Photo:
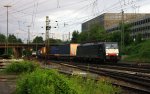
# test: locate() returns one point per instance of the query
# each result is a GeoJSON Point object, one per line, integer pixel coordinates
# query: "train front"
{"type": "Point", "coordinates": [112, 51]}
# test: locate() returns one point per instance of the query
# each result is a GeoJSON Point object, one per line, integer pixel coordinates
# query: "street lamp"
{"type": "Point", "coordinates": [7, 6]}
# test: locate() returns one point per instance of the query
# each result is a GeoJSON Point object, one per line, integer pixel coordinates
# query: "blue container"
{"type": "Point", "coordinates": [60, 49]}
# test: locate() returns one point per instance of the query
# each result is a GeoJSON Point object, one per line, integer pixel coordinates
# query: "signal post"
{"type": "Point", "coordinates": [48, 27]}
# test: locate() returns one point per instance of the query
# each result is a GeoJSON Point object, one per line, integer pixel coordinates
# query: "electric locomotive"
{"type": "Point", "coordinates": [102, 51]}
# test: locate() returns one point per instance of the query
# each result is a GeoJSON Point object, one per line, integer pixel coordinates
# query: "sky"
{"type": "Point", "coordinates": [65, 15]}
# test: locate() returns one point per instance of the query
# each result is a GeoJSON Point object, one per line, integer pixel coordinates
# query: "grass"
{"type": "Point", "coordinates": [51, 82]}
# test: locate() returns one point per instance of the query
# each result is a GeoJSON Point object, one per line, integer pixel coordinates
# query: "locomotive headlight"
{"type": "Point", "coordinates": [117, 54]}
{"type": "Point", "coordinates": [106, 53]}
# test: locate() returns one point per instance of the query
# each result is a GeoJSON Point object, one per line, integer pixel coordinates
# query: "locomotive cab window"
{"type": "Point", "coordinates": [111, 46]}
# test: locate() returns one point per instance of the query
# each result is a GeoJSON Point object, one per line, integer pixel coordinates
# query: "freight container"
{"type": "Point", "coordinates": [43, 51]}
{"type": "Point", "coordinates": [64, 50]}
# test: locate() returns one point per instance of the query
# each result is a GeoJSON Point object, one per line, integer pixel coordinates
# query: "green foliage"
{"type": "Point", "coordinates": [138, 38]}
{"type": "Point", "coordinates": [19, 40]}
{"type": "Point", "coordinates": [51, 82]}
{"type": "Point", "coordinates": [2, 51]}
{"type": "Point", "coordinates": [10, 51]}
{"type": "Point", "coordinates": [54, 41]}
{"type": "Point", "coordinates": [139, 51]}
{"type": "Point", "coordinates": [96, 33]}
{"type": "Point", "coordinates": [20, 67]}
{"type": "Point", "coordinates": [38, 39]}
{"type": "Point", "coordinates": [2, 38]}
{"type": "Point", "coordinates": [89, 86]}
{"type": "Point", "coordinates": [83, 37]}
{"type": "Point", "coordinates": [114, 36]}
{"type": "Point", "coordinates": [12, 39]}
{"type": "Point", "coordinates": [44, 82]}
{"type": "Point", "coordinates": [75, 36]}
{"type": "Point", "coordinates": [27, 52]}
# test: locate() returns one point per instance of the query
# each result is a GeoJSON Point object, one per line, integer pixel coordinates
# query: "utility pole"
{"type": "Point", "coordinates": [47, 37]}
{"type": "Point", "coordinates": [6, 51]}
{"type": "Point", "coordinates": [17, 45]}
{"type": "Point", "coordinates": [36, 43]}
{"type": "Point", "coordinates": [28, 42]}
{"type": "Point", "coordinates": [122, 30]}
{"type": "Point", "coordinates": [63, 37]}
{"type": "Point", "coordinates": [69, 36]}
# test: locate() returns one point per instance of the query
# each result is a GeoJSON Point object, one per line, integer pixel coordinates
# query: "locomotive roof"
{"type": "Point", "coordinates": [87, 44]}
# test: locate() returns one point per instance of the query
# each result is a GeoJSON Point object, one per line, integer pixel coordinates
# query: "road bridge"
{"type": "Point", "coordinates": [17, 48]}
{"type": "Point", "coordinates": [21, 45]}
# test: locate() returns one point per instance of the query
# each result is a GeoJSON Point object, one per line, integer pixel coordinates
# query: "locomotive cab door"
{"type": "Point", "coordinates": [101, 53]}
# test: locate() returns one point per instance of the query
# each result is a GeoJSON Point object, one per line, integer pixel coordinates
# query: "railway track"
{"type": "Point", "coordinates": [138, 77]}
{"type": "Point", "coordinates": [2, 65]}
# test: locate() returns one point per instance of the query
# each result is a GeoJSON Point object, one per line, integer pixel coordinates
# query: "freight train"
{"type": "Point", "coordinates": [95, 52]}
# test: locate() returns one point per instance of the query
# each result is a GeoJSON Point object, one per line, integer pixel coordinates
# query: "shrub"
{"type": "Point", "coordinates": [51, 82]}
{"type": "Point", "coordinates": [139, 52]}
{"type": "Point", "coordinates": [44, 82]}
{"type": "Point", "coordinates": [19, 67]}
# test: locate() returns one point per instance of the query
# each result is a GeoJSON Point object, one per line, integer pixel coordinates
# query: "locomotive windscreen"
{"type": "Point", "coordinates": [111, 46]}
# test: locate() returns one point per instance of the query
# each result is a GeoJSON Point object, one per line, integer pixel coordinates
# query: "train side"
{"type": "Point", "coordinates": [90, 52]}
{"type": "Point", "coordinates": [101, 52]}
{"type": "Point", "coordinates": [63, 52]}
{"type": "Point", "coordinates": [59, 52]}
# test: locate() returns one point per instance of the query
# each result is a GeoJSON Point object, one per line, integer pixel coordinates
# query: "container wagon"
{"type": "Point", "coordinates": [63, 52]}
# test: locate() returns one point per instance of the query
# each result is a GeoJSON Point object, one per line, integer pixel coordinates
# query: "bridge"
{"type": "Point", "coordinates": [21, 45]}
{"type": "Point", "coordinates": [18, 48]}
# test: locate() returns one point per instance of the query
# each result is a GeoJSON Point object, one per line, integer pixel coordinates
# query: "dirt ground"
{"type": "Point", "coordinates": [7, 84]}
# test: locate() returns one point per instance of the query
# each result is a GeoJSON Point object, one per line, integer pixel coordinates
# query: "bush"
{"type": "Point", "coordinates": [20, 67]}
{"type": "Point", "coordinates": [51, 82]}
{"type": "Point", "coordinates": [43, 82]}
{"type": "Point", "coordinates": [139, 52]}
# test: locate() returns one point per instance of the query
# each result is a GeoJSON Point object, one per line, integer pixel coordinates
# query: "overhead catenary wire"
{"type": "Point", "coordinates": [22, 15]}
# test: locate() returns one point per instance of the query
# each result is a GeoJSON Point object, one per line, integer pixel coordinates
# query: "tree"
{"type": "Point", "coordinates": [2, 38]}
{"type": "Point", "coordinates": [96, 33]}
{"type": "Point", "coordinates": [19, 41]}
{"type": "Point", "coordinates": [83, 37]}
{"type": "Point", "coordinates": [127, 38]}
{"type": "Point", "coordinates": [38, 39]}
{"type": "Point", "coordinates": [115, 36]}
{"type": "Point", "coordinates": [54, 41]}
{"type": "Point", "coordinates": [75, 37]}
{"type": "Point", "coordinates": [12, 39]}
{"type": "Point", "coordinates": [138, 38]}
